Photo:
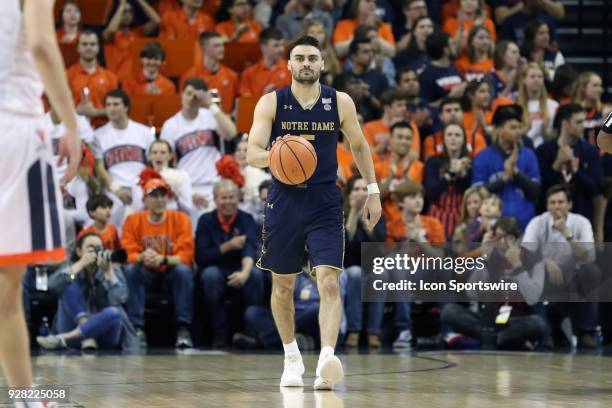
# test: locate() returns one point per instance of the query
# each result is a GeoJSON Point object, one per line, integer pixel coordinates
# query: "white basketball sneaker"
{"type": "Point", "coordinates": [329, 372]}
{"type": "Point", "coordinates": [292, 373]}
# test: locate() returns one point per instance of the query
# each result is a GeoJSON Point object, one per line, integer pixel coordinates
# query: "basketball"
{"type": "Point", "coordinates": [293, 160]}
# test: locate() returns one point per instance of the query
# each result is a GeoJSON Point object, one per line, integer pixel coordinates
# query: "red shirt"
{"type": "Point", "coordinates": [174, 24]}
{"type": "Point", "coordinates": [138, 85]}
{"type": "Point", "coordinates": [254, 79]}
{"type": "Point", "coordinates": [225, 80]}
{"type": "Point", "coordinates": [117, 52]}
{"type": "Point", "coordinates": [228, 28]}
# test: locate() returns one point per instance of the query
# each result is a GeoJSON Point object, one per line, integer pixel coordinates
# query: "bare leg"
{"type": "Point", "coordinates": [14, 344]}
{"type": "Point", "coordinates": [330, 308]}
{"type": "Point", "coordinates": [282, 306]}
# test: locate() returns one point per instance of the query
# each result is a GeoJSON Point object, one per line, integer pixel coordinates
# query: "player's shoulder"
{"type": "Point", "coordinates": [267, 103]}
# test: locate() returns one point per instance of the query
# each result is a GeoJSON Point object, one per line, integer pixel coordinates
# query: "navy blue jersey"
{"type": "Point", "coordinates": [320, 125]}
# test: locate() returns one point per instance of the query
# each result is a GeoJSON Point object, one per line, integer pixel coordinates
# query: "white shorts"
{"type": "Point", "coordinates": [31, 221]}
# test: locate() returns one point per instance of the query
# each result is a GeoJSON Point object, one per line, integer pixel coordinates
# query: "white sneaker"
{"type": "Point", "coordinates": [292, 373]}
{"type": "Point", "coordinates": [329, 372]}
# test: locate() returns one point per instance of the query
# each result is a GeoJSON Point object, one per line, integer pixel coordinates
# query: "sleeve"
{"type": "Point", "coordinates": [531, 231]}
{"type": "Point", "coordinates": [531, 283]}
{"type": "Point", "coordinates": [130, 238]}
{"type": "Point", "coordinates": [433, 183]}
{"type": "Point", "coordinates": [137, 197]}
{"type": "Point", "coordinates": [250, 231]}
{"type": "Point", "coordinates": [386, 33]}
{"type": "Point", "coordinates": [207, 250]}
{"type": "Point", "coordinates": [183, 243]}
{"type": "Point", "coordinates": [58, 280]}
{"type": "Point", "coordinates": [491, 28]}
{"type": "Point", "coordinates": [435, 231]}
{"type": "Point", "coordinates": [166, 133]}
{"type": "Point", "coordinates": [480, 172]}
{"type": "Point", "coordinates": [148, 135]}
{"type": "Point", "coordinates": [166, 30]}
{"type": "Point", "coordinates": [342, 32]}
{"type": "Point", "coordinates": [116, 244]}
{"type": "Point", "coordinates": [589, 179]}
{"type": "Point", "coordinates": [117, 289]}
{"type": "Point", "coordinates": [427, 87]}
{"type": "Point", "coordinates": [185, 193]}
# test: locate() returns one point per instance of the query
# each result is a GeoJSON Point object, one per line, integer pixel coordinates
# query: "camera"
{"type": "Point", "coordinates": [109, 255]}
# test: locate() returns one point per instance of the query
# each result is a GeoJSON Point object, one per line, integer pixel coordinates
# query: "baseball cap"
{"type": "Point", "coordinates": [154, 184]}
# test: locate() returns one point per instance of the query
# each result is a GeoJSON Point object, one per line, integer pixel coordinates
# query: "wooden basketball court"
{"type": "Point", "coordinates": [436, 379]}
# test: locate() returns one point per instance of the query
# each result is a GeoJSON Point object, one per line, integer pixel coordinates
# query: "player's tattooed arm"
{"type": "Point", "coordinates": [259, 136]}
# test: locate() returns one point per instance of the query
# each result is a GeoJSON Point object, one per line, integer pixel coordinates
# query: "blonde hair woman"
{"type": "Point", "coordinates": [538, 109]}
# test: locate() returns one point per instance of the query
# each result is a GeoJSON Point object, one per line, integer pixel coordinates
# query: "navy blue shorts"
{"type": "Point", "coordinates": [298, 219]}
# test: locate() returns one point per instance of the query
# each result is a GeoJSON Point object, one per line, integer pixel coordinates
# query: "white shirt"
{"type": "Point", "coordinates": [536, 133]}
{"type": "Point", "coordinates": [57, 131]}
{"type": "Point", "coordinates": [20, 85]}
{"type": "Point", "coordinates": [551, 241]}
{"type": "Point", "coordinates": [194, 144]}
{"type": "Point", "coordinates": [124, 151]}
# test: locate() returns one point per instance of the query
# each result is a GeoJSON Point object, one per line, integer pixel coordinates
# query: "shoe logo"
{"type": "Point", "coordinates": [270, 205]}
{"type": "Point", "coordinates": [290, 107]}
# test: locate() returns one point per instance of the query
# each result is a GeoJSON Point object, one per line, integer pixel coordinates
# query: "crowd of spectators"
{"type": "Point", "coordinates": [477, 130]}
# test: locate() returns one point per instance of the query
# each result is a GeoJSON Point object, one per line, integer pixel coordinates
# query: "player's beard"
{"type": "Point", "coordinates": [310, 80]}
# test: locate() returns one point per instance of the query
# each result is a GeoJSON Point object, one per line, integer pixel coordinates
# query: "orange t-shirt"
{"type": "Point", "coordinates": [174, 24]}
{"type": "Point", "coordinates": [451, 9]}
{"type": "Point", "coordinates": [109, 235]}
{"type": "Point", "coordinates": [228, 28]}
{"type": "Point", "coordinates": [451, 26]}
{"type": "Point", "coordinates": [99, 83]}
{"type": "Point", "coordinates": [173, 236]}
{"type": "Point", "coordinates": [433, 144]}
{"type": "Point", "coordinates": [346, 163]}
{"type": "Point", "coordinates": [375, 131]}
{"type": "Point", "coordinates": [345, 31]}
{"type": "Point", "coordinates": [60, 33]}
{"type": "Point", "coordinates": [255, 78]}
{"type": "Point", "coordinates": [474, 70]}
{"type": "Point", "coordinates": [225, 80]}
{"type": "Point", "coordinates": [434, 232]}
{"type": "Point", "coordinates": [382, 169]}
{"type": "Point", "coordinates": [469, 118]}
{"type": "Point", "coordinates": [138, 85]}
{"type": "Point", "coordinates": [117, 52]}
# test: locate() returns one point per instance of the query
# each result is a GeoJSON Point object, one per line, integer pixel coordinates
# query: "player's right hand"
{"type": "Point", "coordinates": [70, 149]}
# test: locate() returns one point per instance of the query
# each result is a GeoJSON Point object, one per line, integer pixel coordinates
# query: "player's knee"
{"type": "Point", "coordinates": [282, 291]}
{"type": "Point", "coordinates": [330, 287]}
{"type": "Point", "coordinates": [10, 295]}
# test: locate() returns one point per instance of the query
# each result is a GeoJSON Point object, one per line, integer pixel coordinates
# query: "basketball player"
{"type": "Point", "coordinates": [604, 138]}
{"type": "Point", "coordinates": [32, 228]}
{"type": "Point", "coordinates": [309, 214]}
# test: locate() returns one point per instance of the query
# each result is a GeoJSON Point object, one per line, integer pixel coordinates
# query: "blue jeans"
{"type": "Point", "coordinates": [180, 279]}
{"type": "Point", "coordinates": [104, 326]}
{"type": "Point", "coordinates": [354, 305]}
{"type": "Point", "coordinates": [259, 323]}
{"type": "Point", "coordinates": [214, 285]}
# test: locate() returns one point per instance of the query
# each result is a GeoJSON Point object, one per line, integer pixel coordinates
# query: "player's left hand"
{"type": "Point", "coordinates": [70, 149]}
{"type": "Point", "coordinates": [372, 210]}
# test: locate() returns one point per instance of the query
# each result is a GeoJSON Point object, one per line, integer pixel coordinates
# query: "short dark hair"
{"type": "Point", "coordinates": [408, 187]}
{"type": "Point", "coordinates": [403, 71]}
{"type": "Point", "coordinates": [354, 46]}
{"type": "Point", "coordinates": [305, 40]}
{"type": "Point", "coordinates": [559, 188]}
{"type": "Point", "coordinates": [390, 96]}
{"type": "Point", "coordinates": [207, 35]}
{"type": "Point", "coordinates": [506, 113]}
{"type": "Point", "coordinates": [362, 30]}
{"type": "Point", "coordinates": [98, 200]}
{"type": "Point", "coordinates": [270, 33]}
{"type": "Point", "coordinates": [119, 93]}
{"type": "Point", "coordinates": [450, 100]}
{"type": "Point", "coordinates": [435, 44]}
{"type": "Point", "coordinates": [152, 50]}
{"type": "Point", "coordinates": [87, 32]}
{"type": "Point", "coordinates": [197, 83]}
{"type": "Point", "coordinates": [509, 225]}
{"type": "Point", "coordinates": [565, 112]}
{"type": "Point", "coordinates": [266, 184]}
{"type": "Point", "coordinates": [402, 124]}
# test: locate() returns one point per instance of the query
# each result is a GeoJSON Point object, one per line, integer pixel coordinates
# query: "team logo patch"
{"type": "Point", "coordinates": [326, 100]}
{"type": "Point", "coordinates": [327, 107]}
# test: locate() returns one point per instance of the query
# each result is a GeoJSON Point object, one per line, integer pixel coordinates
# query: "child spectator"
{"type": "Point", "coordinates": [119, 36]}
{"type": "Point", "coordinates": [99, 208]}
{"type": "Point", "coordinates": [489, 212]}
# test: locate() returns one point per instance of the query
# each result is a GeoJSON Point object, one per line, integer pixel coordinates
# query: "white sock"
{"type": "Point", "coordinates": [291, 348]}
{"type": "Point", "coordinates": [326, 352]}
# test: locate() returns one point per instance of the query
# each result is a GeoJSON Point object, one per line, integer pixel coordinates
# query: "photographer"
{"type": "Point", "coordinates": [512, 324]}
{"type": "Point", "coordinates": [91, 291]}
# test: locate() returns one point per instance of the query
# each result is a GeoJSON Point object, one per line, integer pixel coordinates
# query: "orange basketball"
{"type": "Point", "coordinates": [293, 160]}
